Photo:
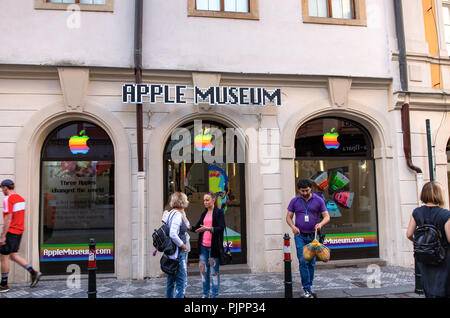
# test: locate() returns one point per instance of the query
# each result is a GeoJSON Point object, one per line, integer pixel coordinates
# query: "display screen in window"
{"type": "Point", "coordinates": [348, 188]}
{"type": "Point", "coordinates": [77, 203]}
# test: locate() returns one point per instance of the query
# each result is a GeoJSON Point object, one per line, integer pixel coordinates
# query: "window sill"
{"type": "Point", "coordinates": [351, 22]}
{"type": "Point", "coordinates": [220, 14]}
{"type": "Point", "coordinates": [252, 15]}
{"type": "Point", "coordinates": [44, 5]}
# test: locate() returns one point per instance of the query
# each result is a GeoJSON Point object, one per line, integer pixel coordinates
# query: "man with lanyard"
{"type": "Point", "coordinates": [307, 208]}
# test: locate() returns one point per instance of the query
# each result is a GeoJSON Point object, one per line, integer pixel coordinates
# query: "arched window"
{"type": "Point", "coordinates": [76, 198]}
{"type": "Point", "coordinates": [336, 154]}
{"type": "Point", "coordinates": [205, 156]}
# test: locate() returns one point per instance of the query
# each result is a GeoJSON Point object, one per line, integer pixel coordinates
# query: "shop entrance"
{"type": "Point", "coordinates": [336, 155]}
{"type": "Point", "coordinates": [223, 176]}
{"type": "Point", "coordinates": [76, 199]}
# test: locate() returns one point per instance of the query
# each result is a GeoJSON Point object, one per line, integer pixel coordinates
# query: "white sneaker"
{"type": "Point", "coordinates": [307, 294]}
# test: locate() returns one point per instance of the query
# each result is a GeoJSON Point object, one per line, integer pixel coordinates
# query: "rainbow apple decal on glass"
{"type": "Point", "coordinates": [78, 144]}
{"type": "Point", "coordinates": [203, 141]}
{"type": "Point", "coordinates": [330, 140]}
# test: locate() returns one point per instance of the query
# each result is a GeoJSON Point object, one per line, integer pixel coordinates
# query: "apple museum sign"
{"type": "Point", "coordinates": [214, 95]}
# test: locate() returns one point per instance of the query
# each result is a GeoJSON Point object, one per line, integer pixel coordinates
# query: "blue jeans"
{"type": "Point", "coordinates": [306, 267]}
{"type": "Point", "coordinates": [177, 283]}
{"type": "Point", "coordinates": [209, 267]}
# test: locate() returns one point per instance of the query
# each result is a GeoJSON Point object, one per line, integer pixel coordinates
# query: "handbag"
{"type": "Point", "coordinates": [169, 266]}
{"type": "Point", "coordinates": [161, 239]}
{"type": "Point", "coordinates": [227, 257]}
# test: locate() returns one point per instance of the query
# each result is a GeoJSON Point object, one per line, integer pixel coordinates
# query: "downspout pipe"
{"type": "Point", "coordinates": [403, 67]}
{"type": "Point", "coordinates": [398, 10]}
{"type": "Point", "coordinates": [140, 266]}
{"type": "Point", "coordinates": [407, 138]}
{"type": "Point", "coordinates": [138, 79]}
{"type": "Point", "coordinates": [400, 27]}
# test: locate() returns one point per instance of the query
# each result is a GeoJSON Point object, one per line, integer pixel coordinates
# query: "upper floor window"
{"type": "Point", "coordinates": [237, 9]}
{"type": "Point", "coordinates": [84, 5]}
{"type": "Point", "coordinates": [79, 1]}
{"type": "Point", "coordinates": [446, 8]}
{"type": "Point", "coordinates": [346, 12]}
{"type": "Point", "coordinates": [223, 5]}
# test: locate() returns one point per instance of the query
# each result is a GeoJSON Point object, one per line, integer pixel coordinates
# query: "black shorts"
{"type": "Point", "coordinates": [12, 244]}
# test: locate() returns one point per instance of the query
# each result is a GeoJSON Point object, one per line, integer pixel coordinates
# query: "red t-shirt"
{"type": "Point", "coordinates": [15, 205]}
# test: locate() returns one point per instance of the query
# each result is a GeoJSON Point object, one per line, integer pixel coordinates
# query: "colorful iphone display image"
{"type": "Point", "coordinates": [330, 140]}
{"type": "Point", "coordinates": [345, 199]}
{"type": "Point", "coordinates": [337, 181]}
{"type": "Point", "coordinates": [219, 184]}
{"type": "Point", "coordinates": [320, 179]}
{"type": "Point", "coordinates": [320, 194]}
{"type": "Point", "coordinates": [333, 209]}
{"type": "Point", "coordinates": [78, 144]}
{"type": "Point", "coordinates": [333, 181]}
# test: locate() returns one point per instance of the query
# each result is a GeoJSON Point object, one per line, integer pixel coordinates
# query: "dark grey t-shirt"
{"type": "Point", "coordinates": [436, 278]}
{"type": "Point", "coordinates": [432, 215]}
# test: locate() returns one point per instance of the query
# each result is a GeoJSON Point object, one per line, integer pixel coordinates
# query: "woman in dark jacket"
{"type": "Point", "coordinates": [436, 278]}
{"type": "Point", "coordinates": [210, 228]}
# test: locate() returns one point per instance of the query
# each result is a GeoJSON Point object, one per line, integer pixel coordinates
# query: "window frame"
{"type": "Point", "coordinates": [252, 14]}
{"type": "Point", "coordinates": [446, 4]}
{"type": "Point", "coordinates": [359, 11]}
{"type": "Point", "coordinates": [46, 5]}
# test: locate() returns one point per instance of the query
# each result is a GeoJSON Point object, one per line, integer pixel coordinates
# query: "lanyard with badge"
{"type": "Point", "coordinates": [306, 209]}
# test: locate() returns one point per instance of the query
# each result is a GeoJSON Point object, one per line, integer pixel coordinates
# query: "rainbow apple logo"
{"type": "Point", "coordinates": [330, 140]}
{"type": "Point", "coordinates": [203, 141]}
{"type": "Point", "coordinates": [78, 144]}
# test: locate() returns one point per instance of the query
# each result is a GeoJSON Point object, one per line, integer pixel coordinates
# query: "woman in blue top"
{"type": "Point", "coordinates": [174, 218]}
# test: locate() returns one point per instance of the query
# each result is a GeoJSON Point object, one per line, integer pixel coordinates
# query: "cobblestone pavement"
{"type": "Point", "coordinates": [373, 282]}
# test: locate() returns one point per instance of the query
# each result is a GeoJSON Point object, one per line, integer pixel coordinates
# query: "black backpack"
{"type": "Point", "coordinates": [161, 239]}
{"type": "Point", "coordinates": [428, 242]}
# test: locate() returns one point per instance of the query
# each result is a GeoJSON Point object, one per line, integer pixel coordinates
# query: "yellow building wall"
{"type": "Point", "coordinates": [431, 36]}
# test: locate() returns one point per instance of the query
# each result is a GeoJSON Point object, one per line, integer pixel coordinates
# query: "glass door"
{"type": "Point", "coordinates": [226, 179]}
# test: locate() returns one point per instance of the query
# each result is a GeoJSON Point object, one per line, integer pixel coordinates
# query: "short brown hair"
{"type": "Point", "coordinates": [432, 192]}
{"type": "Point", "coordinates": [178, 200]}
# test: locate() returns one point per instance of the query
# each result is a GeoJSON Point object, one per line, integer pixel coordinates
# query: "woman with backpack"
{"type": "Point", "coordinates": [429, 229]}
{"type": "Point", "coordinates": [210, 242]}
{"type": "Point", "coordinates": [177, 232]}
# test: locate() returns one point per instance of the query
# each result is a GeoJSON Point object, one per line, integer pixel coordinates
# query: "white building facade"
{"type": "Point", "coordinates": [334, 65]}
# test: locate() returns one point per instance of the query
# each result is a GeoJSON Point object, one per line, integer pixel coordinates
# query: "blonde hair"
{"type": "Point", "coordinates": [432, 192]}
{"type": "Point", "coordinates": [178, 200]}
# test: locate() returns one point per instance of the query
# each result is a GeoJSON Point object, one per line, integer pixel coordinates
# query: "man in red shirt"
{"type": "Point", "coordinates": [13, 226]}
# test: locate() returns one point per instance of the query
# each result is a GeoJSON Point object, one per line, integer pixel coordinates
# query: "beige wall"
{"type": "Point", "coordinates": [425, 103]}
{"type": "Point", "coordinates": [38, 106]}
{"type": "Point", "coordinates": [278, 43]}
{"type": "Point", "coordinates": [32, 106]}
